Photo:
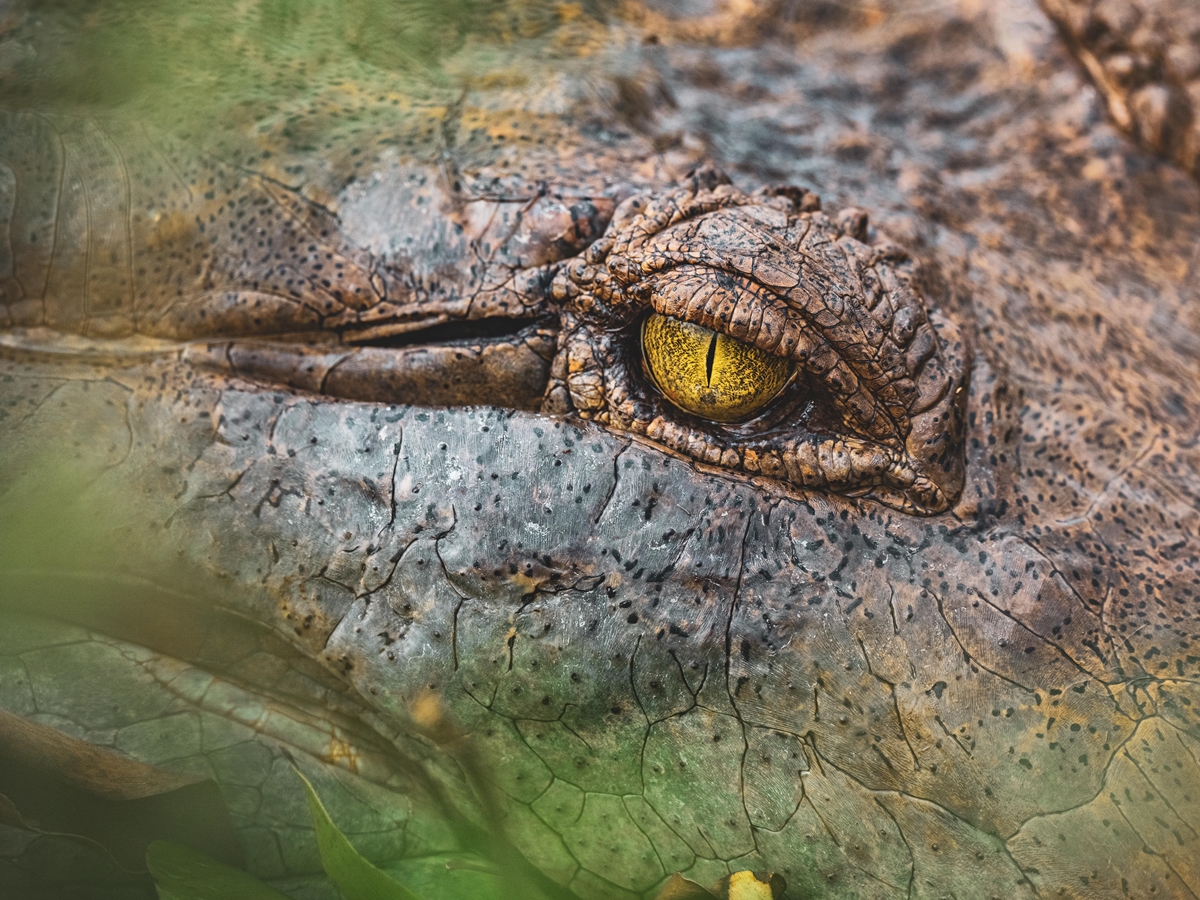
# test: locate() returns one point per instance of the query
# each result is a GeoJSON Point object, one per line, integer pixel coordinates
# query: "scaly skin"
{"type": "Point", "coordinates": [668, 666]}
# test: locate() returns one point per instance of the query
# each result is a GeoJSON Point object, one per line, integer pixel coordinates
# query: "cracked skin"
{"type": "Point", "coordinates": [370, 412]}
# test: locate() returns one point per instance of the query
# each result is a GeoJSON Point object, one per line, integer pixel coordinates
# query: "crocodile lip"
{"type": "Point", "coordinates": [483, 362]}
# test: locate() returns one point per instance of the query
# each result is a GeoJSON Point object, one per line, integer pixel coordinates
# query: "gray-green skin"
{"type": "Point", "coordinates": [665, 667]}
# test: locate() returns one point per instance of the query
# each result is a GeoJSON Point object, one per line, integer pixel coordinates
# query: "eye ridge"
{"type": "Point", "coordinates": [873, 403]}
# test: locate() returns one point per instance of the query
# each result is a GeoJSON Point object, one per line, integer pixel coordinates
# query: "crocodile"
{"type": "Point", "coordinates": [763, 436]}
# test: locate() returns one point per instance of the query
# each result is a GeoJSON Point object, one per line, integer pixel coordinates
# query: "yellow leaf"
{"type": "Point", "coordinates": [744, 886]}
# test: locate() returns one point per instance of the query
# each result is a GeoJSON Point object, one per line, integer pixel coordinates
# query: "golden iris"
{"type": "Point", "coordinates": [707, 373]}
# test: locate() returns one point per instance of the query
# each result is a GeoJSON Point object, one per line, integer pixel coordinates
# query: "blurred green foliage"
{"type": "Point", "coordinates": [355, 876]}
{"type": "Point", "coordinates": [181, 873]}
{"type": "Point", "coordinates": [165, 55]}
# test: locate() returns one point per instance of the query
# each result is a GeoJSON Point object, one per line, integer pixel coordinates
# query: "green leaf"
{"type": "Point", "coordinates": [355, 877]}
{"type": "Point", "coordinates": [183, 874]}
{"type": "Point", "coordinates": [455, 876]}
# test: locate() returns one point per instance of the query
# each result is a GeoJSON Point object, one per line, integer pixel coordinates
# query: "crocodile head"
{"type": "Point", "coordinates": [435, 411]}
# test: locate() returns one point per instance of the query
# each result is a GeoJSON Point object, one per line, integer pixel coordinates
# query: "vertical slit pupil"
{"type": "Point", "coordinates": [712, 354]}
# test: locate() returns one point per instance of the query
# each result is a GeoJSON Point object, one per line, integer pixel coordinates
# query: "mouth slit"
{"type": "Point", "coordinates": [453, 332]}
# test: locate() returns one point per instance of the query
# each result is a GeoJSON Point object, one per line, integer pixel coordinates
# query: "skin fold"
{"type": "Point", "coordinates": [335, 408]}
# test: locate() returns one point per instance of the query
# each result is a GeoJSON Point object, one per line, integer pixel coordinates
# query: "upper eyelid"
{"type": "Point", "coordinates": [807, 260]}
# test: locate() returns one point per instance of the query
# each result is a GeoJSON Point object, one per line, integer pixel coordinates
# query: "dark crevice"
{"type": "Point", "coordinates": [452, 332]}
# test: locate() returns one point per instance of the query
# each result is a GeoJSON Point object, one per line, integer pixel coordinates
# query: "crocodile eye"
{"type": "Point", "coordinates": [709, 374]}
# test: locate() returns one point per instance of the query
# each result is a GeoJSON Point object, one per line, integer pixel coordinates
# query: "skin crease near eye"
{"type": "Point", "coordinates": [709, 374]}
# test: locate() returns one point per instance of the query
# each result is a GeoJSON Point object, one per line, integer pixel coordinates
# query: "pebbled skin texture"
{"type": "Point", "coordinates": [670, 666]}
{"type": "Point", "coordinates": [1144, 59]}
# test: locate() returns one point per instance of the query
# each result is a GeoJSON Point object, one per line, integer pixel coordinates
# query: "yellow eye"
{"type": "Point", "coordinates": [709, 374]}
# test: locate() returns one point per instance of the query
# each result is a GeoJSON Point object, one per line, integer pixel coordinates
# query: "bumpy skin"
{"type": "Point", "coordinates": [1145, 59]}
{"type": "Point", "coordinates": [795, 285]}
{"type": "Point", "coordinates": [669, 666]}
